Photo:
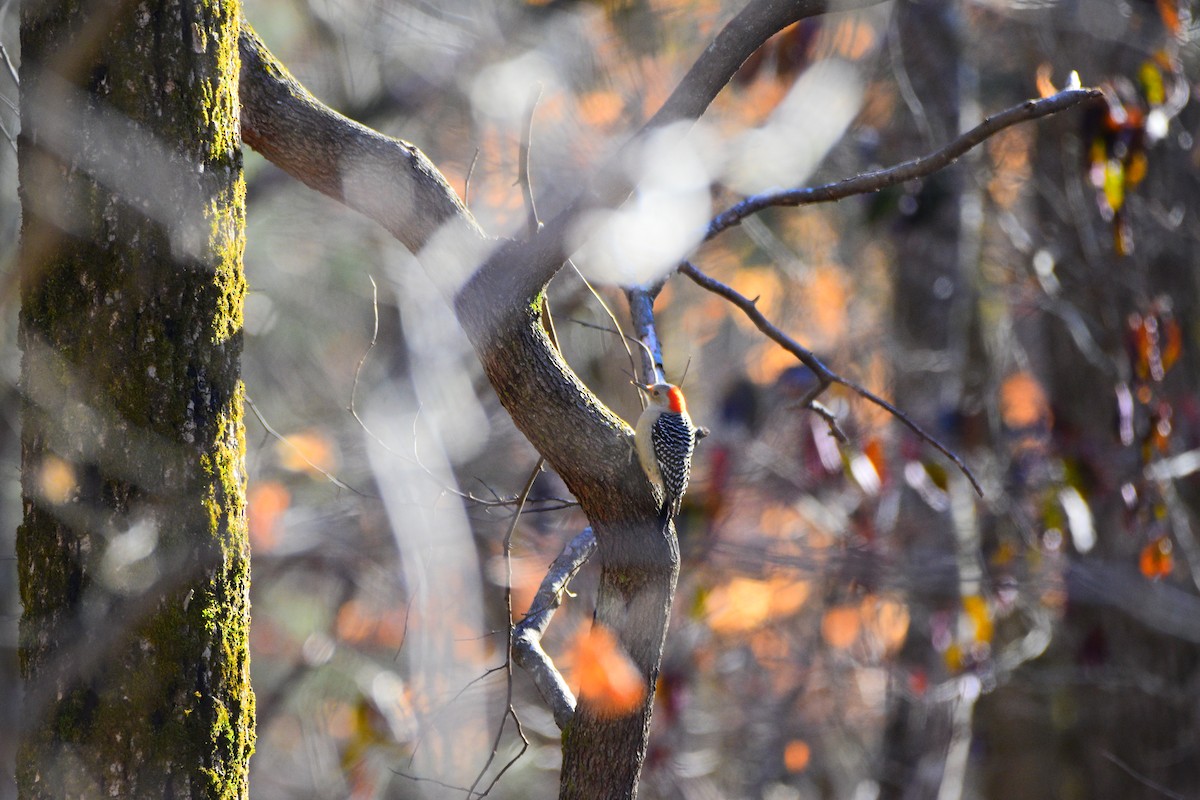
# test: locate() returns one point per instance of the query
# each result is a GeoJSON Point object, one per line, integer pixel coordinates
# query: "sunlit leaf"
{"type": "Point", "coordinates": [1010, 154]}
{"type": "Point", "coordinates": [307, 451]}
{"type": "Point", "coordinates": [265, 504]}
{"type": "Point", "coordinates": [1045, 85]}
{"type": "Point", "coordinates": [953, 656]}
{"type": "Point", "coordinates": [1023, 402]}
{"type": "Point", "coordinates": [1135, 169]}
{"type": "Point", "coordinates": [604, 673]}
{"type": "Point", "coordinates": [601, 108]}
{"type": "Point", "coordinates": [828, 301]}
{"type": "Point", "coordinates": [56, 480]}
{"type": "Point", "coordinates": [1114, 184]}
{"type": "Point", "coordinates": [740, 605]}
{"type": "Point", "coordinates": [796, 755]}
{"type": "Point", "coordinates": [840, 626]}
{"type": "Point", "coordinates": [853, 38]}
{"type": "Point", "coordinates": [1169, 11]}
{"type": "Point", "coordinates": [1003, 555]}
{"type": "Point", "coordinates": [354, 622]}
{"type": "Point", "coordinates": [873, 449]}
{"type": "Point", "coordinates": [1156, 560]}
{"type": "Point", "coordinates": [886, 619]}
{"type": "Point", "coordinates": [1173, 346]}
{"type": "Point", "coordinates": [979, 614]}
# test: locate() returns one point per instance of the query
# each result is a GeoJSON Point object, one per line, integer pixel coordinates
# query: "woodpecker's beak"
{"type": "Point", "coordinates": [645, 387]}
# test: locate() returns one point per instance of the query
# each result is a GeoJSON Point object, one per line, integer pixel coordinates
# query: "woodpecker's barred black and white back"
{"type": "Point", "coordinates": [673, 438]}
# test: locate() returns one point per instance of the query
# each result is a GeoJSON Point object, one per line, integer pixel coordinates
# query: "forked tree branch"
{"type": "Point", "coordinates": [921, 167]}
{"type": "Point", "coordinates": [825, 376]}
{"type": "Point", "coordinates": [527, 634]}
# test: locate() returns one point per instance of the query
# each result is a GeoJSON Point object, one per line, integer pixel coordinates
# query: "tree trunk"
{"type": "Point", "coordinates": [132, 556]}
{"type": "Point", "coordinates": [930, 298]}
{"type": "Point", "coordinates": [1109, 710]}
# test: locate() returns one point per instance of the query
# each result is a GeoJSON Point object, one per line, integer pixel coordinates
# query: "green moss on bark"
{"type": "Point", "coordinates": [132, 555]}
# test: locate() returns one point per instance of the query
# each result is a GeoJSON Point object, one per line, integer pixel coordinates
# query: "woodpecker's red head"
{"type": "Point", "coordinates": [675, 400]}
{"type": "Point", "coordinates": [665, 395]}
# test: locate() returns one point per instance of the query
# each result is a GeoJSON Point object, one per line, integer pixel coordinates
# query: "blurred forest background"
{"type": "Point", "coordinates": [852, 620]}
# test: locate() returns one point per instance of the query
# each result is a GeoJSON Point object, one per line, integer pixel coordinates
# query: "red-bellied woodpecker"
{"type": "Point", "coordinates": [665, 439]}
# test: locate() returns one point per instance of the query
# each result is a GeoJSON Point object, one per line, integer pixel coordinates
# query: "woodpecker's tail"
{"type": "Point", "coordinates": [664, 517]}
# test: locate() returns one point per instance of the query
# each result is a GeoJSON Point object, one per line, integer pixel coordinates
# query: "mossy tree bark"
{"type": "Point", "coordinates": [133, 557]}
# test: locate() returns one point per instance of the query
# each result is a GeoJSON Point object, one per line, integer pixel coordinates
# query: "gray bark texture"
{"type": "Point", "coordinates": [132, 556]}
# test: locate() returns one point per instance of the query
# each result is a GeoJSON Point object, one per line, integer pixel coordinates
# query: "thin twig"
{"type": "Point", "coordinates": [499, 502]}
{"type": "Point", "coordinates": [1142, 779]}
{"type": "Point", "coordinates": [371, 346]}
{"type": "Point", "coordinates": [467, 180]}
{"type": "Point", "coordinates": [835, 428]}
{"type": "Point", "coordinates": [435, 782]}
{"type": "Point", "coordinates": [12, 71]}
{"type": "Point", "coordinates": [508, 659]}
{"type": "Point", "coordinates": [478, 678]}
{"type": "Point", "coordinates": [328, 475]}
{"type": "Point", "coordinates": [12, 140]}
{"type": "Point", "coordinates": [625, 340]}
{"type": "Point", "coordinates": [532, 222]}
{"type": "Point", "coordinates": [916, 168]}
{"type": "Point", "coordinates": [825, 376]}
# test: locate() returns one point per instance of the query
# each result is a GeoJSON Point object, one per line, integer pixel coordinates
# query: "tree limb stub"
{"type": "Point", "coordinates": [527, 634]}
{"type": "Point", "coordinates": [385, 179]}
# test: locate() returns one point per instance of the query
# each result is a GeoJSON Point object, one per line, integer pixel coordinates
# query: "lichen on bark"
{"type": "Point", "coordinates": [132, 554]}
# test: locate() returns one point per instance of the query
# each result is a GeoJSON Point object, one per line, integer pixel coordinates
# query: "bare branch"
{"type": "Point", "coordinates": [509, 711]}
{"type": "Point", "coordinates": [292, 446]}
{"type": "Point", "coordinates": [8, 65]}
{"type": "Point", "coordinates": [825, 376]}
{"type": "Point", "coordinates": [386, 179]}
{"type": "Point", "coordinates": [641, 311]}
{"type": "Point", "coordinates": [532, 221]}
{"type": "Point", "coordinates": [616, 328]}
{"type": "Point", "coordinates": [527, 635]}
{"type": "Point", "coordinates": [737, 41]}
{"type": "Point", "coordinates": [916, 168]}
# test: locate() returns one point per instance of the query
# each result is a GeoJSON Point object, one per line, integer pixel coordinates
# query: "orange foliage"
{"type": "Point", "coordinates": [840, 626]}
{"type": "Point", "coordinates": [885, 619]}
{"type": "Point", "coordinates": [766, 361]}
{"type": "Point", "coordinates": [763, 284]}
{"type": "Point", "coordinates": [873, 449]}
{"type": "Point", "coordinates": [745, 604]}
{"type": "Point", "coordinates": [796, 755]}
{"type": "Point", "coordinates": [1009, 152]}
{"type": "Point", "coordinates": [853, 38]}
{"type": "Point", "coordinates": [264, 509]}
{"type": "Point", "coordinates": [604, 673]}
{"type": "Point", "coordinates": [1045, 86]}
{"type": "Point", "coordinates": [308, 451]}
{"type": "Point", "coordinates": [1023, 401]}
{"type": "Point", "coordinates": [827, 302]}
{"type": "Point", "coordinates": [878, 107]}
{"type": "Point", "coordinates": [358, 623]}
{"type": "Point", "coordinates": [601, 108]}
{"type": "Point", "coordinates": [354, 622]}
{"type": "Point", "coordinates": [975, 607]}
{"type": "Point", "coordinates": [1156, 560]}
{"type": "Point", "coordinates": [1169, 11]}
{"type": "Point", "coordinates": [56, 480]}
